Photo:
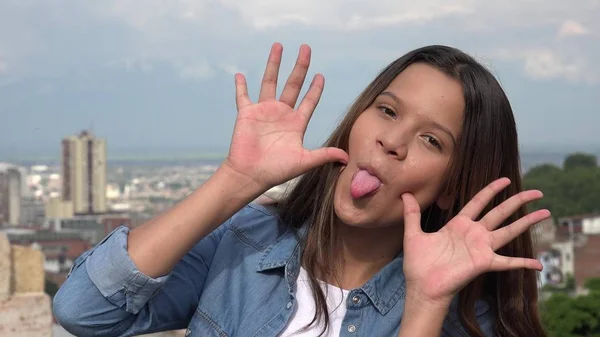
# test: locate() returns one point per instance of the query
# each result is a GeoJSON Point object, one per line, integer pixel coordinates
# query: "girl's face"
{"type": "Point", "coordinates": [406, 139]}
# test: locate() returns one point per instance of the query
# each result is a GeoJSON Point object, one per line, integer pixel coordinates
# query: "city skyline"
{"type": "Point", "coordinates": [83, 172]}
{"type": "Point", "coordinates": [190, 152]}
{"type": "Point", "coordinates": [10, 194]}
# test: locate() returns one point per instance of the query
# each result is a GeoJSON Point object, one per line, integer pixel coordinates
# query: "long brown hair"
{"type": "Point", "coordinates": [487, 150]}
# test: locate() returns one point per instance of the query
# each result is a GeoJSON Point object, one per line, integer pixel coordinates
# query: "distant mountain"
{"type": "Point", "coordinates": [530, 155]}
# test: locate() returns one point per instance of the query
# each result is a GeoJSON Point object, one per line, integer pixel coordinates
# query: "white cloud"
{"type": "Point", "coordinates": [144, 13]}
{"type": "Point", "coordinates": [231, 69]}
{"type": "Point", "coordinates": [197, 71]}
{"type": "Point", "coordinates": [572, 28]}
{"type": "Point", "coordinates": [139, 34]}
{"type": "Point", "coordinates": [546, 64]}
{"type": "Point", "coordinates": [344, 16]}
{"type": "Point", "coordinates": [133, 64]}
{"type": "Point", "coordinates": [164, 22]}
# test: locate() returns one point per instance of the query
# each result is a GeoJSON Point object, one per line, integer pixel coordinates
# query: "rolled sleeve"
{"type": "Point", "coordinates": [106, 295]}
{"type": "Point", "coordinates": [116, 276]}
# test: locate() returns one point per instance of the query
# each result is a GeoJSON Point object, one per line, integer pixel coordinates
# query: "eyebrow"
{"type": "Point", "coordinates": [434, 123]}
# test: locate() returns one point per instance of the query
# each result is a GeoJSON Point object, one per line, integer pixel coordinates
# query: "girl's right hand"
{"type": "Point", "coordinates": [267, 143]}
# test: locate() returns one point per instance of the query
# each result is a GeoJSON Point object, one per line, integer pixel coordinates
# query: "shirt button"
{"type": "Point", "coordinates": [356, 299]}
{"type": "Point", "coordinates": [188, 332]}
{"type": "Point", "coordinates": [289, 305]}
{"type": "Point", "coordinates": [351, 328]}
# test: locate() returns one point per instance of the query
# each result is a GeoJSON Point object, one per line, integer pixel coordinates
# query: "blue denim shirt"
{"type": "Point", "coordinates": [238, 281]}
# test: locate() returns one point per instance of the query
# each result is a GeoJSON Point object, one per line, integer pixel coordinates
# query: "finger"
{"type": "Point", "coordinates": [500, 213]}
{"type": "Point", "coordinates": [268, 88]}
{"type": "Point", "coordinates": [312, 97]}
{"type": "Point", "coordinates": [322, 156]}
{"type": "Point", "coordinates": [503, 263]}
{"type": "Point", "coordinates": [474, 207]}
{"type": "Point", "coordinates": [412, 216]}
{"type": "Point", "coordinates": [241, 92]}
{"type": "Point", "coordinates": [504, 235]}
{"type": "Point", "coordinates": [292, 88]}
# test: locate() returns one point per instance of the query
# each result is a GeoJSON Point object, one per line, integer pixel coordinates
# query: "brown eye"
{"type": "Point", "coordinates": [387, 111]}
{"type": "Point", "coordinates": [431, 140]}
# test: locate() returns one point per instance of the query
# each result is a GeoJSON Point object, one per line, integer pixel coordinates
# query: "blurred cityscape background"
{"type": "Point", "coordinates": [64, 207]}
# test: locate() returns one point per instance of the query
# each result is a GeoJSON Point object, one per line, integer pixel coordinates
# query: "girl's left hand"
{"type": "Point", "coordinates": [438, 265]}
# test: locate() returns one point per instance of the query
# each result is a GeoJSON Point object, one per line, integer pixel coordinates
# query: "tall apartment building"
{"type": "Point", "coordinates": [10, 194]}
{"type": "Point", "coordinates": [84, 173]}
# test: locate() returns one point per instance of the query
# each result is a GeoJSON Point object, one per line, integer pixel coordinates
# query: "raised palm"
{"type": "Point", "coordinates": [267, 143]}
{"type": "Point", "coordinates": [437, 265]}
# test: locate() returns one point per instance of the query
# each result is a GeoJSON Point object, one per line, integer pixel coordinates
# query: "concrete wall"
{"type": "Point", "coordinates": [25, 309]}
{"type": "Point", "coordinates": [587, 253]}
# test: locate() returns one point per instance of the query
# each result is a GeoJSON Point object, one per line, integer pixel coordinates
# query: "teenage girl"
{"type": "Point", "coordinates": [411, 221]}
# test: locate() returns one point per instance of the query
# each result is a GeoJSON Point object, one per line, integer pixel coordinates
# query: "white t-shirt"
{"type": "Point", "coordinates": [305, 309]}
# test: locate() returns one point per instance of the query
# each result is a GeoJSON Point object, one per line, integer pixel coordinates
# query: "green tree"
{"type": "Point", "coordinates": [580, 159]}
{"type": "Point", "coordinates": [563, 316]}
{"type": "Point", "coordinates": [545, 170]}
{"type": "Point", "coordinates": [569, 191]}
{"type": "Point", "coordinates": [593, 284]}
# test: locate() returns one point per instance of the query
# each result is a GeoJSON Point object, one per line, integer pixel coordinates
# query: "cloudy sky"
{"type": "Point", "coordinates": [157, 76]}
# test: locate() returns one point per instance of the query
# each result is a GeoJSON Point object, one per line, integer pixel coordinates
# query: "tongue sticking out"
{"type": "Point", "coordinates": [363, 183]}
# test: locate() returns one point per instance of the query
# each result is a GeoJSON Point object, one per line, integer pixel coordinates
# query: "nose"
{"type": "Point", "coordinates": [393, 146]}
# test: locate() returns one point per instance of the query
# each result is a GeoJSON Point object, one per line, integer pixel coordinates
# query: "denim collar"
{"type": "Point", "coordinates": [387, 286]}
{"type": "Point", "coordinates": [286, 249]}
{"type": "Point", "coordinates": [384, 289]}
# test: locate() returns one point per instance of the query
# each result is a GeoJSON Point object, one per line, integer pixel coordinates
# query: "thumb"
{"type": "Point", "coordinates": [412, 216]}
{"type": "Point", "coordinates": [323, 156]}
